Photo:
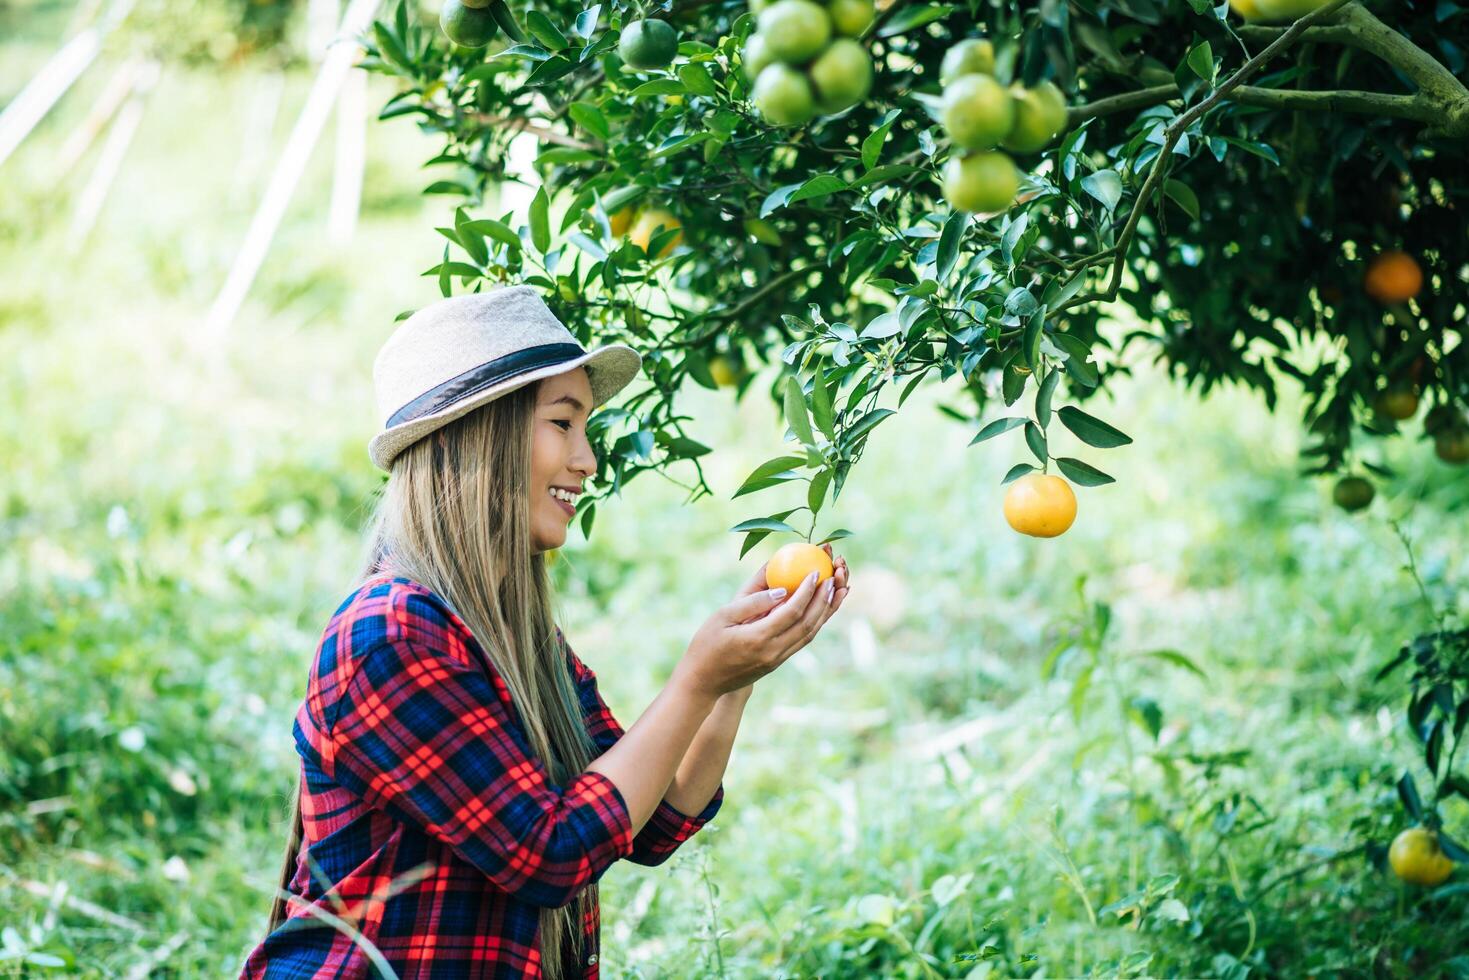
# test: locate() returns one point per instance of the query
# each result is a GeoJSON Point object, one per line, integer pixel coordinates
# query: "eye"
{"type": "Point", "coordinates": [565, 423]}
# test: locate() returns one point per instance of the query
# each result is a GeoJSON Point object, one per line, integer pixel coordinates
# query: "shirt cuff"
{"type": "Point", "coordinates": [599, 816]}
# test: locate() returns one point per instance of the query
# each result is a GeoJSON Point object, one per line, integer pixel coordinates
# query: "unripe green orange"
{"type": "Point", "coordinates": [841, 75]}
{"type": "Point", "coordinates": [977, 112]}
{"type": "Point", "coordinates": [971, 56]}
{"type": "Point", "coordinates": [795, 30]}
{"type": "Point", "coordinates": [985, 181]}
{"type": "Point", "coordinates": [851, 17]}
{"type": "Point", "coordinates": [783, 95]}
{"type": "Point", "coordinates": [1040, 114]}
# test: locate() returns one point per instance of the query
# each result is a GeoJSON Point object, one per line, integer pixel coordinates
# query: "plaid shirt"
{"type": "Point", "coordinates": [436, 832]}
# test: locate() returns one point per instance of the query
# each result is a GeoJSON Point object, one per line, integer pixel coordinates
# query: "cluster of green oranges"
{"type": "Point", "coordinates": [1444, 424]}
{"type": "Point", "coordinates": [980, 114]}
{"type": "Point", "coordinates": [805, 60]}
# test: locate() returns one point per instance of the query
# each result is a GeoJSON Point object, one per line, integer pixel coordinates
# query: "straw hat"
{"type": "Point", "coordinates": [456, 354]}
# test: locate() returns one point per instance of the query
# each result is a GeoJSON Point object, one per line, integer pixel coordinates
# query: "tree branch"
{"type": "Point", "coordinates": [1442, 101]}
{"type": "Point", "coordinates": [522, 124]}
{"type": "Point", "coordinates": [1175, 131]}
{"type": "Point", "coordinates": [1415, 107]}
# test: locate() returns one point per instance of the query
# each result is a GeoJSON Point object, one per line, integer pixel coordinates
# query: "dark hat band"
{"type": "Point", "coordinates": [479, 378]}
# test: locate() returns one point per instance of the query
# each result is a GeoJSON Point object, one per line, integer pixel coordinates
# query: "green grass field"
{"type": "Point", "coordinates": [954, 780]}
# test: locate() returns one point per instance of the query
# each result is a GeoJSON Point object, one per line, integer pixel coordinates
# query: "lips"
{"type": "Point", "coordinates": [570, 510]}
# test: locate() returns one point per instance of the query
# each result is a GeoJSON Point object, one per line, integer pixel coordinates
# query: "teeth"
{"type": "Point", "coordinates": [560, 494]}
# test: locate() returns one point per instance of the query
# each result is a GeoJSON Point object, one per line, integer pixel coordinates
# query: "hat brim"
{"type": "Point", "coordinates": [609, 369]}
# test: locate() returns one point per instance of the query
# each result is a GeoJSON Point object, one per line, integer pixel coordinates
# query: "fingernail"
{"type": "Point", "coordinates": [812, 577]}
{"type": "Point", "coordinates": [777, 593]}
{"type": "Point", "coordinates": [831, 589]}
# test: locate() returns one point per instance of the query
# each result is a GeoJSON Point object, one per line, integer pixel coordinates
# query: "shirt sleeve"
{"type": "Point", "coordinates": [668, 828]}
{"type": "Point", "coordinates": [424, 736]}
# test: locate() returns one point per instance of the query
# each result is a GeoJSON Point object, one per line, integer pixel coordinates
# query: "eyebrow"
{"type": "Point", "coordinates": [571, 400]}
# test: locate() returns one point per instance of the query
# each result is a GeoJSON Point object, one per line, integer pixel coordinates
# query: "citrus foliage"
{"type": "Point", "coordinates": [1211, 177]}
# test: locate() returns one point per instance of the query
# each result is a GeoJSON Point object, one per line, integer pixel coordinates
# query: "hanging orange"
{"type": "Point", "coordinates": [1393, 277]}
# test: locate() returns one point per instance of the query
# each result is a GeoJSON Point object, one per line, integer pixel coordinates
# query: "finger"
{"type": "Point", "coordinates": [789, 612]}
{"type": "Point", "coordinates": [799, 633]}
{"type": "Point", "coordinates": [753, 606]}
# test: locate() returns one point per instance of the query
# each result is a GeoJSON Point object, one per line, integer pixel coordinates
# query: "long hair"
{"type": "Point", "coordinates": [454, 516]}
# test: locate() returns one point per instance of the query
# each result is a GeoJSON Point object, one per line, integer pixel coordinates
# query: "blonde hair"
{"type": "Point", "coordinates": [454, 516]}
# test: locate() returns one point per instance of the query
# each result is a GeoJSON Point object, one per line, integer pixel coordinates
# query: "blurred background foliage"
{"type": "Point", "coordinates": [981, 768]}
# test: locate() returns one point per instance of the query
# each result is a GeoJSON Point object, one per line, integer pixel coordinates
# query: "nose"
{"type": "Point", "coordinates": [583, 459]}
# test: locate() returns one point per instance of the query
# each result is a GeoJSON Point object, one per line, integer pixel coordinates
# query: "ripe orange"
{"type": "Point", "coordinates": [648, 223]}
{"type": "Point", "coordinates": [621, 221]}
{"type": "Point", "coordinates": [1040, 505]}
{"type": "Point", "coordinates": [1393, 277]}
{"type": "Point", "coordinates": [1396, 402]}
{"type": "Point", "coordinates": [790, 565]}
{"type": "Point", "coordinates": [1415, 857]}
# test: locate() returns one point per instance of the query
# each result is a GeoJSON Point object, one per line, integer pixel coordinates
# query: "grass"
{"type": "Point", "coordinates": [920, 793]}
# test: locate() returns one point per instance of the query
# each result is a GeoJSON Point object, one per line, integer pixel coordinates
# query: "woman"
{"type": "Point", "coordinates": [463, 785]}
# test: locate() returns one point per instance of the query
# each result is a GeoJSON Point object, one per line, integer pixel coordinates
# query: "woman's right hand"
{"type": "Point", "coordinates": [753, 635]}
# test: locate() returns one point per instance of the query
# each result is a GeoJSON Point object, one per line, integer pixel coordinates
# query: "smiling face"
{"type": "Point", "coordinates": [560, 456]}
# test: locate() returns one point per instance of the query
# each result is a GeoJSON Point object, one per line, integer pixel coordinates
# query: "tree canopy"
{"type": "Point", "coordinates": [1233, 183]}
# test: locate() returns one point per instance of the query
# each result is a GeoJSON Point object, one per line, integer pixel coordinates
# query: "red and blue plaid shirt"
{"type": "Point", "coordinates": [435, 832]}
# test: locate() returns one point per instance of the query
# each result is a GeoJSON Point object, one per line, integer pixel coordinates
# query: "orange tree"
{"type": "Point", "coordinates": [1231, 182]}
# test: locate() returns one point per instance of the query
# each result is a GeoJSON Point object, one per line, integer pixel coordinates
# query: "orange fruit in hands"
{"type": "Point", "coordinates": [1416, 858]}
{"type": "Point", "coordinates": [1040, 505]}
{"type": "Point", "coordinates": [790, 565]}
{"type": "Point", "coordinates": [1393, 277]}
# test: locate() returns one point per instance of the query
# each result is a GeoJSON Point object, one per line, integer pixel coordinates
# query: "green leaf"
{"type": "Point", "coordinates": [1105, 186]}
{"type": "Point", "coordinates": [1201, 60]}
{"type": "Point", "coordinates": [866, 423]}
{"type": "Point", "coordinates": [1016, 472]}
{"type": "Point", "coordinates": [752, 539]}
{"type": "Point", "coordinates": [586, 244]}
{"type": "Point", "coordinates": [768, 469]}
{"type": "Point", "coordinates": [819, 186]}
{"type": "Point", "coordinates": [1408, 793]}
{"type": "Point", "coordinates": [497, 230]}
{"type": "Point", "coordinates": [763, 524]}
{"type": "Point", "coordinates": [1081, 473]}
{"type": "Point", "coordinates": [1183, 196]}
{"type": "Point", "coordinates": [872, 145]}
{"type": "Point", "coordinates": [816, 493]}
{"type": "Point", "coordinates": [1043, 398]}
{"type": "Point", "coordinates": [501, 12]}
{"type": "Point", "coordinates": [821, 408]}
{"type": "Point", "coordinates": [586, 21]}
{"type": "Point", "coordinates": [1091, 430]}
{"type": "Point", "coordinates": [1036, 440]}
{"type": "Point", "coordinates": [948, 251]}
{"type": "Point", "coordinates": [1176, 659]}
{"type": "Point", "coordinates": [540, 223]}
{"type": "Point", "coordinates": [796, 414]}
{"type": "Point", "coordinates": [546, 32]}
{"type": "Point", "coordinates": [697, 80]}
{"type": "Point", "coordinates": [658, 86]}
{"type": "Point", "coordinates": [914, 16]}
{"type": "Point", "coordinates": [590, 118]}
{"type": "Point", "coordinates": [997, 427]}
{"type": "Point", "coordinates": [836, 535]}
